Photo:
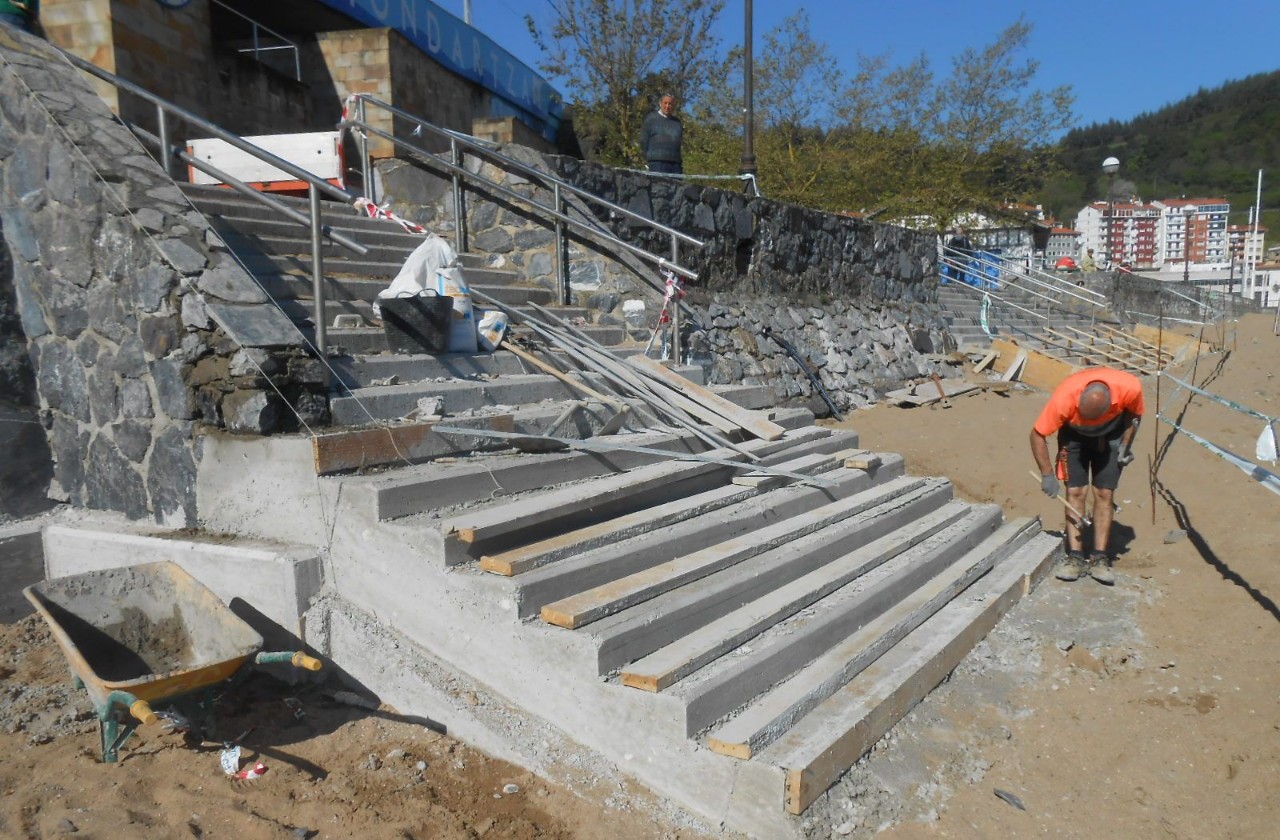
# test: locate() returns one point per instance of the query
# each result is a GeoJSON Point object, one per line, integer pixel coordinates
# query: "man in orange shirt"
{"type": "Point", "coordinates": [1095, 413]}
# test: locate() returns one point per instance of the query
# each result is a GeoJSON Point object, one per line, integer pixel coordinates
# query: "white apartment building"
{"type": "Point", "coordinates": [1194, 230]}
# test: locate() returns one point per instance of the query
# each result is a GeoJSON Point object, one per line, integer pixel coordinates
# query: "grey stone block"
{"type": "Point", "coordinates": [261, 325]}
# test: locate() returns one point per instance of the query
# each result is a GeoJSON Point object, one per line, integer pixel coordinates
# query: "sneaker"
{"type": "Point", "coordinates": [1072, 568]}
{"type": "Point", "coordinates": [1100, 568]}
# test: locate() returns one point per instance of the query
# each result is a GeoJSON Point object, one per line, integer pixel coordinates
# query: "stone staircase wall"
{"type": "Point", "coordinates": [138, 324]}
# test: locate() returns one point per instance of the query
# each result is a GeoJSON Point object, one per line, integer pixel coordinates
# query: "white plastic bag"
{"type": "Point", "coordinates": [493, 326]}
{"type": "Point", "coordinates": [1266, 448]}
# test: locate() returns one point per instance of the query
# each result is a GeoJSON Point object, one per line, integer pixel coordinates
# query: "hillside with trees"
{"type": "Point", "coordinates": [1210, 144]}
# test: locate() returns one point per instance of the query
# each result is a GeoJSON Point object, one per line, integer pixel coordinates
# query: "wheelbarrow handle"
{"type": "Point", "coordinates": [297, 660]}
{"type": "Point", "coordinates": [140, 709]}
{"type": "Point", "coordinates": [307, 663]}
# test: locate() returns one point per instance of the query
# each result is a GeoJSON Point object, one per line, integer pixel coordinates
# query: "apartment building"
{"type": "Point", "coordinates": [1064, 242]}
{"type": "Point", "coordinates": [1194, 230]}
{"type": "Point", "coordinates": [1125, 233]}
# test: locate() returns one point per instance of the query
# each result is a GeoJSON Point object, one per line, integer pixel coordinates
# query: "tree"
{"type": "Point", "coordinates": [616, 57]}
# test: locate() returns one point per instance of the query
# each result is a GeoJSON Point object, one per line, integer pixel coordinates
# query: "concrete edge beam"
{"type": "Point", "coordinates": [276, 581]}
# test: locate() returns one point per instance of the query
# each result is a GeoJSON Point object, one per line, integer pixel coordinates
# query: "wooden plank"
{"type": "Point", "coordinates": [1014, 370]}
{"type": "Point", "coordinates": [359, 448]}
{"type": "Point", "coordinates": [863, 460]}
{"type": "Point", "coordinates": [986, 361]}
{"type": "Point", "coordinates": [576, 384]}
{"type": "Point", "coordinates": [840, 731]}
{"type": "Point", "coordinates": [754, 422]}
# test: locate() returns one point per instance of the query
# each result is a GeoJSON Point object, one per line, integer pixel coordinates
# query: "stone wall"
{"type": "Point", "coordinates": [139, 325]}
{"type": "Point", "coordinates": [857, 299]}
{"type": "Point", "coordinates": [858, 350]}
{"type": "Point", "coordinates": [1144, 299]}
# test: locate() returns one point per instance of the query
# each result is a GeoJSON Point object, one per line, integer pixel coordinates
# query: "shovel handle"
{"type": "Point", "coordinates": [1080, 517]}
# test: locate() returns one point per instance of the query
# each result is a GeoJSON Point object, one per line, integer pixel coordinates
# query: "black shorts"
{"type": "Point", "coordinates": [1088, 456]}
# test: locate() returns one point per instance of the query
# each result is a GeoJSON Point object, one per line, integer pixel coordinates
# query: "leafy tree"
{"type": "Point", "coordinates": [616, 57]}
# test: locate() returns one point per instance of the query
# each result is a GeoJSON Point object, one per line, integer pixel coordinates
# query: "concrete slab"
{"type": "Point", "coordinates": [21, 564]}
{"type": "Point", "coordinates": [274, 580]}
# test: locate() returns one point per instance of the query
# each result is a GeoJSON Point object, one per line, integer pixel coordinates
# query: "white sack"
{"type": "Point", "coordinates": [419, 271]}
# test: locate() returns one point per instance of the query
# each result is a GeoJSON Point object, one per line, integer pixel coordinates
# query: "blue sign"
{"type": "Point", "coordinates": [466, 52]}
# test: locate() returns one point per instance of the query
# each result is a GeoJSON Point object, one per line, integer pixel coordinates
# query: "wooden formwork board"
{"type": "Point", "coordinates": [1169, 341]}
{"type": "Point", "coordinates": [359, 448]}
{"type": "Point", "coordinates": [1039, 370]}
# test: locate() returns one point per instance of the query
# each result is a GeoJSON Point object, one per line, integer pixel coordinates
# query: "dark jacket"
{"type": "Point", "coordinates": [660, 138]}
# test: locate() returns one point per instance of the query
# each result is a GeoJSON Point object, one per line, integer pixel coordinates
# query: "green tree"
{"type": "Point", "coordinates": [616, 57]}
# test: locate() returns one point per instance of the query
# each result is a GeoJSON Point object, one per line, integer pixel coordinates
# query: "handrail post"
{"type": "Point", "coordinates": [255, 42]}
{"type": "Point", "coordinates": [459, 207]}
{"type": "Point", "coordinates": [166, 148]}
{"type": "Point", "coordinates": [562, 262]}
{"type": "Point", "coordinates": [317, 272]}
{"type": "Point", "coordinates": [675, 304]}
{"type": "Point", "coordinates": [366, 173]}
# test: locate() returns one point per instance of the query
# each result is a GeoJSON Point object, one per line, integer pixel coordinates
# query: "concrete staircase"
{"type": "Point", "coordinates": [732, 627]}
{"type": "Point", "coordinates": [1083, 338]}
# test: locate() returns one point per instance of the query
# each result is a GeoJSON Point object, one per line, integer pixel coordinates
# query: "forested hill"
{"type": "Point", "coordinates": [1210, 144]}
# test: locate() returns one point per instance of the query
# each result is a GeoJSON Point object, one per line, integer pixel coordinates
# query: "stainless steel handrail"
{"type": "Point", "coordinates": [316, 184]}
{"type": "Point", "coordinates": [257, 47]}
{"type": "Point", "coordinates": [559, 188]}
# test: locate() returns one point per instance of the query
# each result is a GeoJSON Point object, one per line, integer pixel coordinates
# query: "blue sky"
{"type": "Point", "coordinates": [1121, 57]}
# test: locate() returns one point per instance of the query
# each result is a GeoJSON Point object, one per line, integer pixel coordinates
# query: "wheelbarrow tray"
{"type": "Point", "coordinates": [151, 630]}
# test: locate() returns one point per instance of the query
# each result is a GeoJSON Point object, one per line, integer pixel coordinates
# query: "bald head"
{"type": "Point", "coordinates": [1095, 401]}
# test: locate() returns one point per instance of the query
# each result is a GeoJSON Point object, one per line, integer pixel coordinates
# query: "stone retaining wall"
{"type": "Point", "coordinates": [856, 298]}
{"type": "Point", "coordinates": [139, 325]}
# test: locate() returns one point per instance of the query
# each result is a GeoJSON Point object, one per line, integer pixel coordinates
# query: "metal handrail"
{"type": "Point", "coordinates": [559, 188]}
{"type": "Point", "coordinates": [257, 47]}
{"type": "Point", "coordinates": [316, 184]}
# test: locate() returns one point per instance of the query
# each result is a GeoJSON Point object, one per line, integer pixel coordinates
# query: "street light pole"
{"type": "Point", "coordinates": [1111, 166]}
{"type": "Point", "coordinates": [748, 94]}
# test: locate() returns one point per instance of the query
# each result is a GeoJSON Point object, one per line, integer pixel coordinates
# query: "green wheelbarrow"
{"type": "Point", "coordinates": [146, 639]}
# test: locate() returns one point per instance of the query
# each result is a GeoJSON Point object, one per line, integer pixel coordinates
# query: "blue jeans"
{"type": "Point", "coordinates": [23, 22]}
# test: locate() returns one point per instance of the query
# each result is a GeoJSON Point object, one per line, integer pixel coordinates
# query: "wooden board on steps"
{"type": "Point", "coordinates": [1040, 370]}
{"type": "Point", "coordinates": [754, 422]}
{"type": "Point", "coordinates": [358, 448]}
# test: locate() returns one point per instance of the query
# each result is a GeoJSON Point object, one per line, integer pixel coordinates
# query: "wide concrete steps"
{"type": "Point", "coordinates": [749, 620]}
{"type": "Point", "coordinates": [743, 600]}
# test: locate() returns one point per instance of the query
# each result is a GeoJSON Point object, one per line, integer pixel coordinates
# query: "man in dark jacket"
{"type": "Point", "coordinates": [661, 136]}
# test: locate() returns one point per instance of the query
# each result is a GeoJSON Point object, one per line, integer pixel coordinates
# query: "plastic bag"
{"type": "Point", "coordinates": [1266, 448]}
{"type": "Point", "coordinates": [493, 325]}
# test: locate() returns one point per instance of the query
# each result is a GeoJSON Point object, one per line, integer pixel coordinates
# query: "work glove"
{"type": "Point", "coordinates": [1049, 484]}
{"type": "Point", "coordinates": [1124, 457]}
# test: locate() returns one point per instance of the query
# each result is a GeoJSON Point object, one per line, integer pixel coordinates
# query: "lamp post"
{"type": "Point", "coordinates": [1111, 166]}
{"type": "Point", "coordinates": [1188, 214]}
{"type": "Point", "coordinates": [748, 95]}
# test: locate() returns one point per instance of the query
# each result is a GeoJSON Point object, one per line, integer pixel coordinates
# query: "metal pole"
{"type": "Point", "coordinates": [562, 268]}
{"type": "Point", "coordinates": [255, 43]}
{"type": "Point", "coordinates": [459, 210]}
{"type": "Point", "coordinates": [317, 272]}
{"type": "Point", "coordinates": [748, 95]}
{"type": "Point", "coordinates": [466, 12]}
{"type": "Point", "coordinates": [366, 165]}
{"type": "Point", "coordinates": [166, 150]}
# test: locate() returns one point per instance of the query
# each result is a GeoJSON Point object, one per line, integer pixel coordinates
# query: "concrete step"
{"type": "Point", "coordinates": [641, 629]}
{"type": "Point", "coordinates": [222, 201]}
{"type": "Point", "coordinates": [371, 234]}
{"type": "Point", "coordinates": [584, 570]}
{"type": "Point", "coordinates": [827, 741]}
{"type": "Point", "coordinates": [340, 286]}
{"type": "Point", "coordinates": [371, 340]}
{"type": "Point", "coordinates": [844, 595]}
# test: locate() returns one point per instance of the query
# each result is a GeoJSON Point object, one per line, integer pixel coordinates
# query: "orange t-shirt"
{"type": "Point", "coordinates": [1064, 405]}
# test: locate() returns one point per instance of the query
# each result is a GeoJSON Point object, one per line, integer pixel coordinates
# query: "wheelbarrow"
{"type": "Point", "coordinates": [145, 639]}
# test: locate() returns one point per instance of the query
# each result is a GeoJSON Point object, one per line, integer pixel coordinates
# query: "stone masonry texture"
{"type": "Point", "coordinates": [116, 282]}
